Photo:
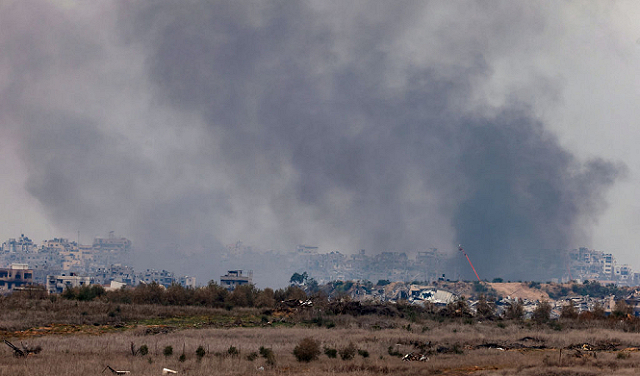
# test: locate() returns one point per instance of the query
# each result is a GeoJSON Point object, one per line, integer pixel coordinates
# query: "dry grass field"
{"type": "Point", "coordinates": [452, 348]}
{"type": "Point", "coordinates": [84, 337]}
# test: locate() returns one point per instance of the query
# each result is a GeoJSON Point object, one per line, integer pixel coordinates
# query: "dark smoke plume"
{"type": "Point", "coordinates": [281, 123]}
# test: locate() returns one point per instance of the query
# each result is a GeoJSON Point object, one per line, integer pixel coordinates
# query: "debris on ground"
{"type": "Point", "coordinates": [490, 346]}
{"type": "Point", "coordinates": [25, 351]}
{"type": "Point", "coordinates": [599, 346]}
{"type": "Point", "coordinates": [115, 372]}
{"type": "Point", "coordinates": [415, 357]}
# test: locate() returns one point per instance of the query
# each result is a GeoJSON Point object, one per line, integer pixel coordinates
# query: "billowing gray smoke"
{"type": "Point", "coordinates": [189, 125]}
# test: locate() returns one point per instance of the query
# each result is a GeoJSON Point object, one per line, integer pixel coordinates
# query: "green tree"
{"type": "Point", "coordinates": [243, 296]}
{"type": "Point", "coordinates": [69, 293]}
{"type": "Point", "coordinates": [291, 292]}
{"type": "Point", "coordinates": [312, 286]}
{"type": "Point", "coordinates": [265, 299]}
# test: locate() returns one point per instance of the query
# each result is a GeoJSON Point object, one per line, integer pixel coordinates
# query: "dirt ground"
{"type": "Point", "coordinates": [519, 290]}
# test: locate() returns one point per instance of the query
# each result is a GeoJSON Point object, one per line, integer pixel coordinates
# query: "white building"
{"type": "Point", "coordinates": [56, 284]}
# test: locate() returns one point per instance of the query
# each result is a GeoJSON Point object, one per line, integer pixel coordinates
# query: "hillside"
{"type": "Point", "coordinates": [519, 290]}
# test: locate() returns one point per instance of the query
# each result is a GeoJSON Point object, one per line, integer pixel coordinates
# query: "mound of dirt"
{"type": "Point", "coordinates": [520, 290]}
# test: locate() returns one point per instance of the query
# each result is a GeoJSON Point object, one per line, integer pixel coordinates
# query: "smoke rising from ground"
{"type": "Point", "coordinates": [368, 125]}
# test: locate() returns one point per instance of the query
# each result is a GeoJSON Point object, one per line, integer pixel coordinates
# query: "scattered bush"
{"type": "Point", "coordinates": [83, 293]}
{"type": "Point", "coordinates": [623, 355]}
{"type": "Point", "coordinates": [363, 353]}
{"type": "Point", "coordinates": [348, 352]}
{"type": "Point", "coordinates": [515, 310]}
{"type": "Point", "coordinates": [555, 325]}
{"type": "Point", "coordinates": [599, 312]}
{"type": "Point", "coordinates": [484, 309]}
{"type": "Point", "coordinates": [393, 352]}
{"type": "Point", "coordinates": [330, 352]}
{"type": "Point", "coordinates": [233, 351]}
{"type": "Point", "coordinates": [569, 311]}
{"type": "Point", "coordinates": [622, 309]}
{"type": "Point", "coordinates": [458, 308]}
{"type": "Point", "coordinates": [307, 350]}
{"type": "Point", "coordinates": [542, 312]}
{"type": "Point", "coordinates": [168, 351]}
{"type": "Point", "coordinates": [200, 352]}
{"type": "Point", "coordinates": [144, 350]}
{"type": "Point", "coordinates": [268, 354]}
{"type": "Point", "coordinates": [252, 356]}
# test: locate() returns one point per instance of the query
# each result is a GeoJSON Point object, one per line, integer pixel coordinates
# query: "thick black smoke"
{"type": "Point", "coordinates": [525, 197]}
{"type": "Point", "coordinates": [283, 123]}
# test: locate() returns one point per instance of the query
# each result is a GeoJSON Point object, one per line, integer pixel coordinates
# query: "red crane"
{"type": "Point", "coordinates": [468, 259]}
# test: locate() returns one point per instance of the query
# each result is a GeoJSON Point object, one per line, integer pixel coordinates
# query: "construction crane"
{"type": "Point", "coordinates": [468, 259]}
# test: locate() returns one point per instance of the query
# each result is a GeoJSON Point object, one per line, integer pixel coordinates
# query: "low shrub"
{"type": "Point", "coordinates": [200, 352]}
{"type": "Point", "coordinates": [330, 352]}
{"type": "Point", "coordinates": [348, 352]}
{"type": "Point", "coordinates": [307, 350]}
{"type": "Point", "coordinates": [393, 352]}
{"type": "Point", "coordinates": [267, 353]}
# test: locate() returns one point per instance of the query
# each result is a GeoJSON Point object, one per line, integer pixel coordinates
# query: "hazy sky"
{"type": "Point", "coordinates": [510, 127]}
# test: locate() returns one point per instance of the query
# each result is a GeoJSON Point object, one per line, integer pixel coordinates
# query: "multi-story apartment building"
{"type": "Point", "coordinates": [165, 278]}
{"type": "Point", "coordinates": [608, 265]}
{"type": "Point", "coordinates": [235, 278]}
{"type": "Point", "coordinates": [23, 244]}
{"type": "Point", "coordinates": [15, 277]}
{"type": "Point", "coordinates": [56, 284]}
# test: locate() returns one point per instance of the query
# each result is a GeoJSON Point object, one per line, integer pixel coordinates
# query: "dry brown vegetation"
{"type": "Point", "coordinates": [349, 338]}
{"type": "Point", "coordinates": [452, 349]}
